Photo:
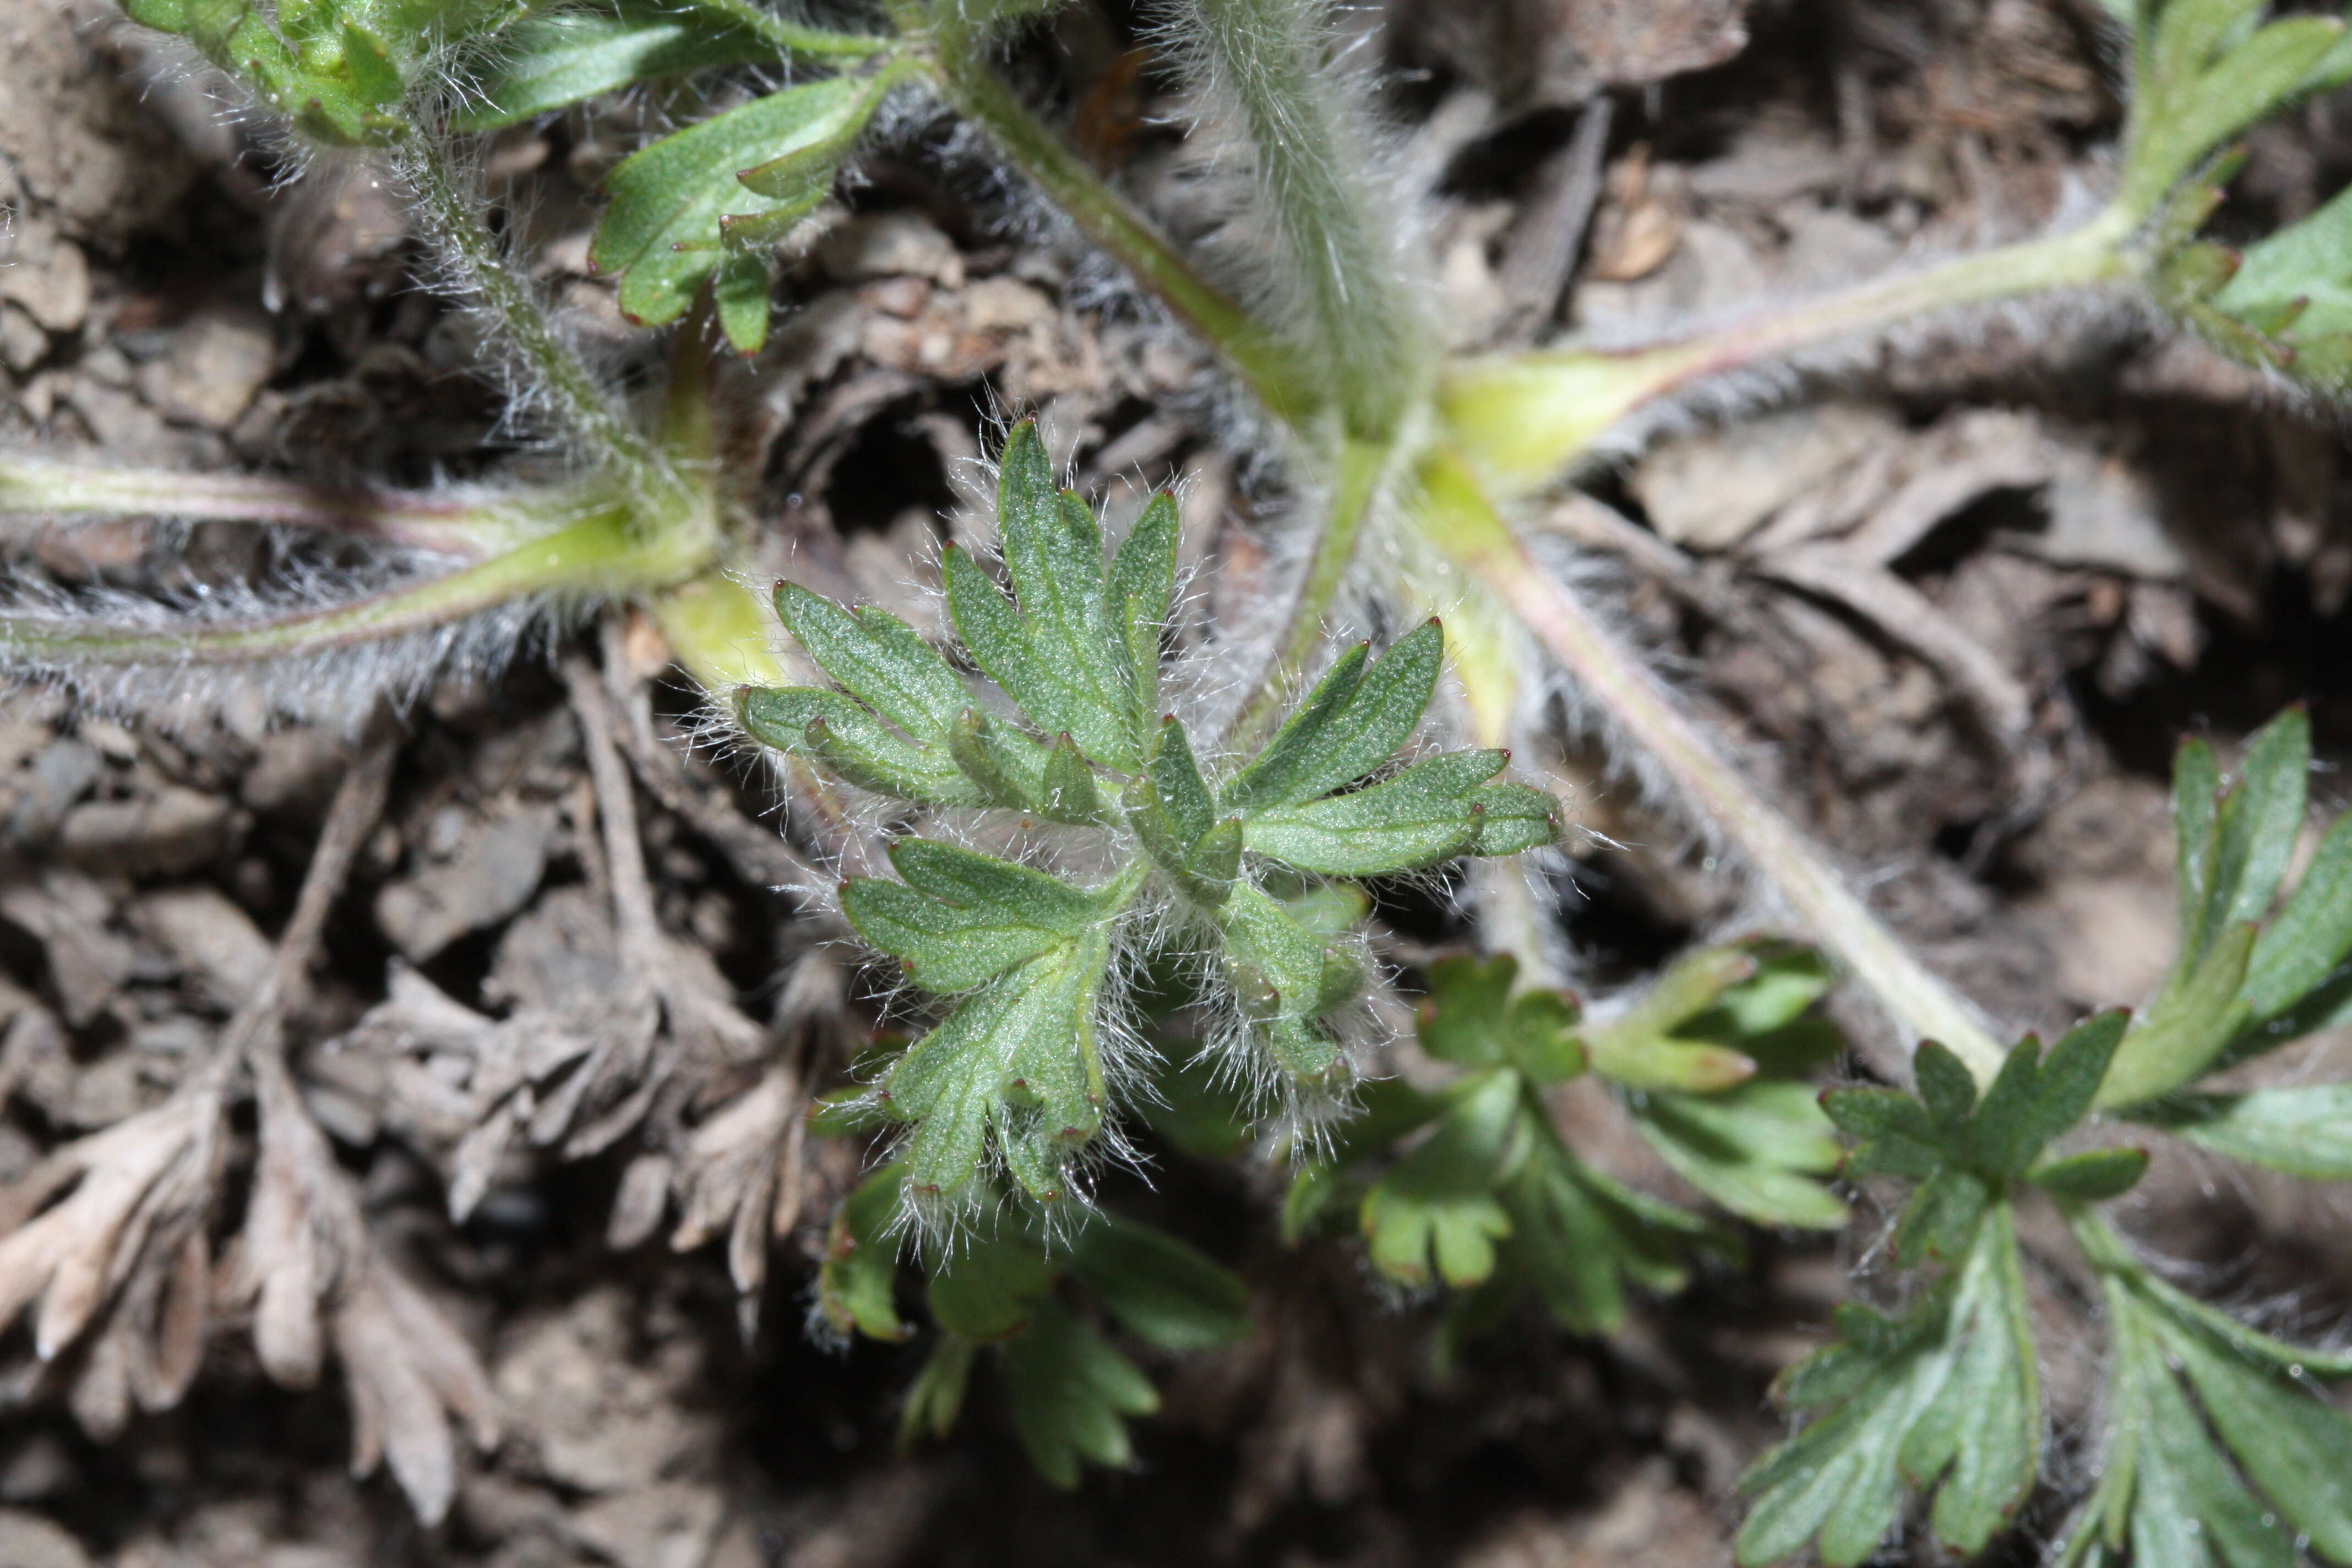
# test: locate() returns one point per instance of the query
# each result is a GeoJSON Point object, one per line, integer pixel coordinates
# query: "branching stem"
{"type": "Point", "coordinates": [587, 412]}
{"type": "Point", "coordinates": [1463, 524]}
{"type": "Point", "coordinates": [968, 81]}
{"type": "Point", "coordinates": [473, 528]}
{"type": "Point", "coordinates": [1525, 420]}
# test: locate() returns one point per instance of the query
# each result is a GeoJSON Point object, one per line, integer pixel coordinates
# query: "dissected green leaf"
{"type": "Point", "coordinates": [1166, 1294]}
{"type": "Point", "coordinates": [1065, 653]}
{"type": "Point", "coordinates": [2304, 1131]}
{"type": "Point", "coordinates": [1352, 721]}
{"type": "Point", "coordinates": [2216, 1454]}
{"type": "Point", "coordinates": [664, 232]}
{"type": "Point", "coordinates": [339, 70]}
{"type": "Point", "coordinates": [1436, 1214]}
{"type": "Point", "coordinates": [557, 59]}
{"type": "Point", "coordinates": [1965, 1150]}
{"type": "Point", "coordinates": [1283, 973]}
{"type": "Point", "coordinates": [1473, 1018]}
{"type": "Point", "coordinates": [1430, 812]}
{"type": "Point", "coordinates": [990, 1286]}
{"type": "Point", "coordinates": [1013, 1068]}
{"type": "Point", "coordinates": [830, 728]}
{"type": "Point", "coordinates": [1946, 1397]}
{"type": "Point", "coordinates": [1756, 1148]}
{"type": "Point", "coordinates": [879, 659]}
{"type": "Point", "coordinates": [959, 918]}
{"type": "Point", "coordinates": [1580, 1239]}
{"type": "Point", "coordinates": [1069, 1391]}
{"type": "Point", "coordinates": [1643, 1047]}
{"type": "Point", "coordinates": [857, 1282]}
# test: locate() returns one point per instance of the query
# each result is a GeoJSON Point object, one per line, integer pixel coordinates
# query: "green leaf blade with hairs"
{"type": "Point", "coordinates": [1015, 1070]}
{"type": "Point", "coordinates": [1435, 1214]}
{"type": "Point", "coordinates": [555, 59]}
{"type": "Point", "coordinates": [1071, 1393]}
{"type": "Point", "coordinates": [1353, 721]}
{"type": "Point", "coordinates": [663, 230]}
{"type": "Point", "coordinates": [2217, 1455]}
{"type": "Point", "coordinates": [830, 728]}
{"type": "Point", "coordinates": [1140, 595]}
{"type": "Point", "coordinates": [959, 919]}
{"type": "Point", "coordinates": [1053, 555]}
{"type": "Point", "coordinates": [1427, 813]}
{"type": "Point", "coordinates": [1166, 1294]}
{"type": "Point", "coordinates": [2304, 1131]}
{"type": "Point", "coordinates": [879, 659]}
{"type": "Point", "coordinates": [1945, 1398]}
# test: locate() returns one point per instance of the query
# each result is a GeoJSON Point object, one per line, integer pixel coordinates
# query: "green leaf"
{"type": "Point", "coordinates": [961, 919]}
{"type": "Point", "coordinates": [1429, 812]}
{"type": "Point", "coordinates": [2192, 1022]}
{"type": "Point", "coordinates": [1757, 1149]}
{"type": "Point", "coordinates": [1512, 818]}
{"type": "Point", "coordinates": [936, 1398]}
{"type": "Point", "coordinates": [2255, 832]}
{"type": "Point", "coordinates": [1943, 1217]}
{"type": "Point", "coordinates": [2196, 813]}
{"type": "Point", "coordinates": [551, 60]}
{"type": "Point", "coordinates": [1352, 721]}
{"type": "Point", "coordinates": [1580, 1239]}
{"type": "Point", "coordinates": [1945, 1398]}
{"type": "Point", "coordinates": [2295, 954]}
{"type": "Point", "coordinates": [1164, 1292]}
{"type": "Point", "coordinates": [2291, 1446]}
{"type": "Point", "coordinates": [879, 659]}
{"type": "Point", "coordinates": [2303, 1132]}
{"type": "Point", "coordinates": [1140, 593]}
{"type": "Point", "coordinates": [1007, 767]}
{"type": "Point", "coordinates": [663, 232]}
{"type": "Point", "coordinates": [1284, 978]}
{"type": "Point", "coordinates": [857, 1284]}
{"type": "Point", "coordinates": [1015, 1067]}
{"type": "Point", "coordinates": [1472, 1019]}
{"type": "Point", "coordinates": [1068, 1390]}
{"type": "Point", "coordinates": [2094, 1175]}
{"type": "Point", "coordinates": [1438, 1207]}
{"type": "Point", "coordinates": [830, 728]}
{"type": "Point", "coordinates": [989, 1286]}
{"type": "Point", "coordinates": [2178, 1479]}
{"type": "Point", "coordinates": [1059, 654]}
{"type": "Point", "coordinates": [1644, 1047]}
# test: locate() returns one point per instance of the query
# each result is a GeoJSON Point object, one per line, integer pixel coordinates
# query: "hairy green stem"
{"type": "Point", "coordinates": [1363, 469]}
{"type": "Point", "coordinates": [1363, 333]}
{"type": "Point", "coordinates": [603, 554]}
{"type": "Point", "coordinates": [473, 528]}
{"type": "Point", "coordinates": [1461, 523]}
{"type": "Point", "coordinates": [588, 413]}
{"type": "Point", "coordinates": [968, 81]}
{"type": "Point", "coordinates": [789, 38]}
{"type": "Point", "coordinates": [1525, 420]}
